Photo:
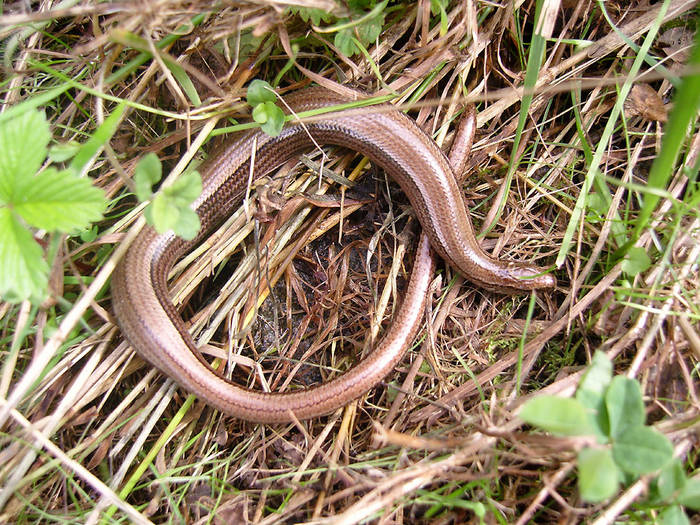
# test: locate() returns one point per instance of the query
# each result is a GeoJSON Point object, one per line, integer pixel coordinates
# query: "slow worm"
{"type": "Point", "coordinates": [391, 140]}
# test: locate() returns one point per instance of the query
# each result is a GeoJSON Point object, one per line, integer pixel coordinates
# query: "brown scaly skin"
{"type": "Point", "coordinates": [391, 140]}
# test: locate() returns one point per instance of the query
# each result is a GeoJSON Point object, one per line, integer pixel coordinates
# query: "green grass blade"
{"type": "Point", "coordinates": [593, 170]}
{"type": "Point", "coordinates": [685, 110]}
{"type": "Point", "coordinates": [534, 65]}
{"type": "Point", "coordinates": [97, 140]}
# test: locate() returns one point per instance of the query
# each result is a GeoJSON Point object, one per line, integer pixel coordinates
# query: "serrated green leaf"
{"type": "Point", "coordinates": [260, 91]}
{"type": "Point", "coordinates": [636, 261]}
{"type": "Point", "coordinates": [597, 474]}
{"type": "Point", "coordinates": [148, 171]}
{"type": "Point", "coordinates": [312, 13]}
{"type": "Point", "coordinates": [368, 31]}
{"type": "Point", "coordinates": [98, 139]}
{"type": "Point", "coordinates": [642, 450]}
{"type": "Point", "coordinates": [248, 43]}
{"type": "Point", "coordinates": [275, 120]}
{"type": "Point", "coordinates": [558, 415]}
{"type": "Point", "coordinates": [23, 142]}
{"type": "Point", "coordinates": [24, 272]}
{"type": "Point", "coordinates": [343, 40]}
{"type": "Point", "coordinates": [625, 406]}
{"type": "Point", "coordinates": [59, 201]}
{"type": "Point", "coordinates": [690, 495]}
{"type": "Point", "coordinates": [673, 515]}
{"type": "Point", "coordinates": [671, 480]}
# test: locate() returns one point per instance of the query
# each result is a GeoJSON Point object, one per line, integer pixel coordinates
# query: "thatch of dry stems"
{"type": "Point", "coordinates": [101, 427]}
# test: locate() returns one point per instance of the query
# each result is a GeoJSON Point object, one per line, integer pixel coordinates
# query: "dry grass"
{"type": "Point", "coordinates": [100, 426]}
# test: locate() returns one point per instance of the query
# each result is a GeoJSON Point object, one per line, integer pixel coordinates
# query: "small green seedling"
{"type": "Point", "coordinates": [170, 208]}
{"type": "Point", "coordinates": [34, 196]}
{"type": "Point", "coordinates": [359, 29]}
{"type": "Point", "coordinates": [621, 447]}
{"type": "Point", "coordinates": [262, 98]}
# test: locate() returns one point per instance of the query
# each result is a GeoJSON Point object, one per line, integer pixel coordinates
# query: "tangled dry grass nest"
{"type": "Point", "coordinates": [97, 434]}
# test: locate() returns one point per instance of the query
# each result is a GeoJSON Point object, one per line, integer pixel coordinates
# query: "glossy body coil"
{"type": "Point", "coordinates": [392, 141]}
